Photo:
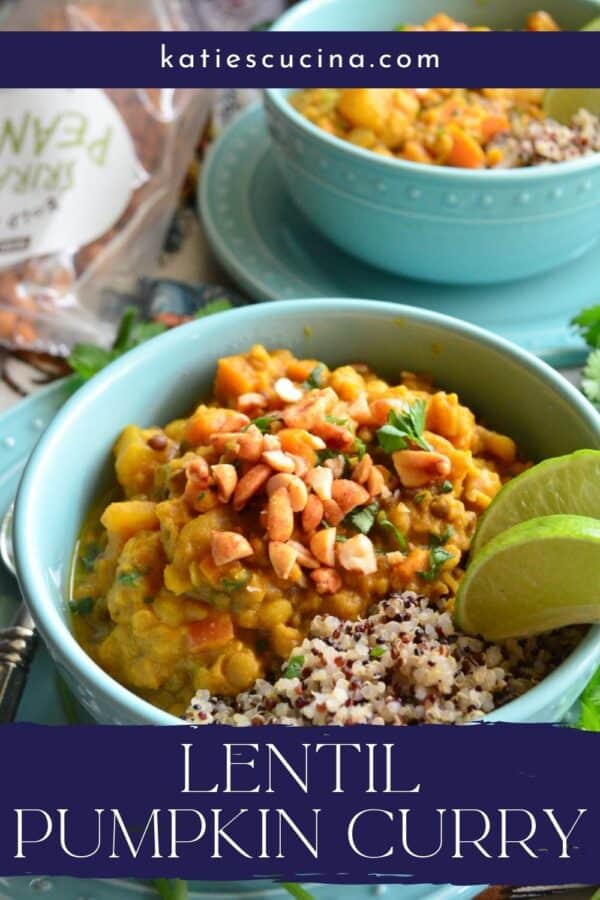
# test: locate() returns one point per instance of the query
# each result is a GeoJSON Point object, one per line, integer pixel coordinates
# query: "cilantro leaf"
{"type": "Point", "coordinates": [81, 607]}
{"type": "Point", "coordinates": [87, 359]}
{"type": "Point", "coordinates": [437, 557]}
{"type": "Point", "coordinates": [445, 487]}
{"type": "Point", "coordinates": [359, 447]}
{"type": "Point", "coordinates": [333, 420]}
{"type": "Point", "coordinates": [438, 540]}
{"type": "Point", "coordinates": [294, 667]}
{"type": "Point", "coordinates": [234, 584]}
{"type": "Point", "coordinates": [363, 517]}
{"type": "Point", "coordinates": [590, 381]}
{"type": "Point", "coordinates": [384, 522]}
{"type": "Point", "coordinates": [588, 325]}
{"type": "Point", "coordinates": [263, 423]}
{"type": "Point", "coordinates": [377, 652]}
{"type": "Point", "coordinates": [315, 379]}
{"type": "Point", "coordinates": [404, 429]}
{"type": "Point", "coordinates": [89, 556]}
{"type": "Point", "coordinates": [589, 718]}
{"type": "Point", "coordinates": [129, 579]}
{"type": "Point", "coordinates": [212, 307]}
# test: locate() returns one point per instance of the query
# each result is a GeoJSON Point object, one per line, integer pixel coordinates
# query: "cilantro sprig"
{"type": "Point", "coordinates": [315, 379]}
{"type": "Point", "coordinates": [384, 522]}
{"type": "Point", "coordinates": [437, 557]}
{"type": "Point", "coordinates": [294, 667]}
{"type": "Point", "coordinates": [363, 517]}
{"type": "Point", "coordinates": [87, 360]}
{"type": "Point", "coordinates": [404, 429]}
{"type": "Point", "coordinates": [588, 325]}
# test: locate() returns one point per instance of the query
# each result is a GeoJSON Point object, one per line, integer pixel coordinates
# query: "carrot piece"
{"type": "Point", "coordinates": [466, 153]}
{"type": "Point", "coordinates": [298, 442]}
{"type": "Point", "coordinates": [211, 633]}
{"type": "Point", "coordinates": [493, 125]}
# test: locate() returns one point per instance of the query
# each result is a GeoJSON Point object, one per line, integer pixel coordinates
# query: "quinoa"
{"type": "Point", "coordinates": [401, 665]}
{"type": "Point", "coordinates": [534, 143]}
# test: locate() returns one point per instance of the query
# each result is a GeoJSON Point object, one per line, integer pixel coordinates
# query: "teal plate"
{"type": "Point", "coordinates": [20, 428]}
{"type": "Point", "coordinates": [267, 246]}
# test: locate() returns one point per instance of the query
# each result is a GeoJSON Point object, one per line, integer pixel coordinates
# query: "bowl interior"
{"type": "Point", "coordinates": [384, 15]}
{"type": "Point", "coordinates": [507, 388]}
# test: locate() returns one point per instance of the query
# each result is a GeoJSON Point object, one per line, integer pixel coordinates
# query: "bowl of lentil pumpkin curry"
{"type": "Point", "coordinates": [413, 165]}
{"type": "Point", "coordinates": [298, 474]}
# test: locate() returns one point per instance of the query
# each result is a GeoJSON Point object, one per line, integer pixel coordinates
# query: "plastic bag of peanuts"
{"type": "Point", "coordinates": [89, 180]}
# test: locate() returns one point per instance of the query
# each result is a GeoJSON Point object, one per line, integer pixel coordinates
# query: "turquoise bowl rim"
{"type": "Point", "coordinates": [32, 579]}
{"type": "Point", "coordinates": [292, 19]}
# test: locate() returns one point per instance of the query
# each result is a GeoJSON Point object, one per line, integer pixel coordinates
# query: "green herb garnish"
{"type": "Point", "coordinates": [363, 517]}
{"type": "Point", "coordinates": [588, 325]}
{"type": "Point", "coordinates": [263, 423]}
{"type": "Point", "coordinates": [384, 522]}
{"type": "Point", "coordinates": [213, 306]}
{"type": "Point", "coordinates": [589, 711]}
{"type": "Point", "coordinates": [437, 557]}
{"type": "Point", "coordinates": [129, 579]}
{"type": "Point", "coordinates": [333, 420]}
{"type": "Point", "coordinates": [89, 556]}
{"type": "Point", "coordinates": [377, 652]}
{"type": "Point", "coordinates": [81, 607]}
{"type": "Point", "coordinates": [404, 429]}
{"type": "Point", "coordinates": [445, 487]}
{"type": "Point", "coordinates": [234, 584]}
{"type": "Point", "coordinates": [294, 667]}
{"type": "Point", "coordinates": [359, 447]}
{"type": "Point", "coordinates": [438, 540]}
{"type": "Point", "coordinates": [419, 497]}
{"type": "Point", "coordinates": [315, 379]}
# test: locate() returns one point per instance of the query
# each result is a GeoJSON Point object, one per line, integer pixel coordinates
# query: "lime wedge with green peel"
{"type": "Point", "coordinates": [565, 484]}
{"type": "Point", "coordinates": [537, 576]}
{"type": "Point", "coordinates": [563, 103]}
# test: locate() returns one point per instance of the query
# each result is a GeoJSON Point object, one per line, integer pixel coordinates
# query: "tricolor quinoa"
{"type": "Point", "coordinates": [534, 143]}
{"type": "Point", "coordinates": [402, 665]}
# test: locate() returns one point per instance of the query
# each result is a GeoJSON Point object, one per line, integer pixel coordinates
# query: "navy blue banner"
{"type": "Point", "coordinates": [468, 805]}
{"type": "Point", "coordinates": [293, 59]}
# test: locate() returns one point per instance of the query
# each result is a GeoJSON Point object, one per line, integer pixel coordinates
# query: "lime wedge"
{"type": "Point", "coordinates": [565, 484]}
{"type": "Point", "coordinates": [562, 103]}
{"type": "Point", "coordinates": [539, 575]}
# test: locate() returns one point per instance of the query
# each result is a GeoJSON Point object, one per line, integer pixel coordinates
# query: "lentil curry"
{"type": "Point", "coordinates": [438, 126]}
{"type": "Point", "coordinates": [296, 490]}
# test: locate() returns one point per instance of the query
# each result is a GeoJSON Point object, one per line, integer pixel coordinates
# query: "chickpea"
{"type": "Point", "coordinates": [274, 613]}
{"type": "Point", "coordinates": [241, 669]}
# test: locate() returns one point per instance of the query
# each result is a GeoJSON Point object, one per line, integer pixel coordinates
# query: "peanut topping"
{"type": "Point", "coordinates": [305, 558]}
{"type": "Point", "coordinates": [322, 545]}
{"type": "Point", "coordinates": [348, 495]}
{"type": "Point", "coordinates": [280, 516]}
{"type": "Point", "coordinates": [251, 402]}
{"type": "Point", "coordinates": [361, 472]}
{"type": "Point", "coordinates": [283, 558]}
{"type": "Point", "coordinates": [228, 546]}
{"type": "Point", "coordinates": [313, 513]}
{"type": "Point", "coordinates": [287, 391]}
{"type": "Point", "coordinates": [321, 479]}
{"type": "Point", "coordinates": [416, 468]}
{"type": "Point", "coordinates": [249, 484]}
{"type": "Point", "coordinates": [327, 581]}
{"type": "Point", "coordinates": [294, 486]}
{"type": "Point", "coordinates": [357, 554]}
{"type": "Point", "coordinates": [278, 460]}
{"type": "Point", "coordinates": [332, 512]}
{"type": "Point", "coordinates": [226, 479]}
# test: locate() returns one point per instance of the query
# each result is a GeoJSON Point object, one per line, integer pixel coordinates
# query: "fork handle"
{"type": "Point", "coordinates": [17, 643]}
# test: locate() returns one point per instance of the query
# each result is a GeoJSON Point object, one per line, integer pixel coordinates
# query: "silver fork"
{"type": "Point", "coordinates": [17, 641]}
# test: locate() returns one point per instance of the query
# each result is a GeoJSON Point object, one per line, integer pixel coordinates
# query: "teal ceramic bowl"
{"type": "Point", "coordinates": [430, 222]}
{"type": "Point", "coordinates": [509, 388]}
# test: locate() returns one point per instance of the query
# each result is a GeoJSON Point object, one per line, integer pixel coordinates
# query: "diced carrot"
{"type": "Point", "coordinates": [235, 376]}
{"type": "Point", "coordinates": [298, 442]}
{"type": "Point", "coordinates": [300, 369]}
{"type": "Point", "coordinates": [416, 561]}
{"type": "Point", "coordinates": [465, 153]}
{"type": "Point", "coordinates": [493, 125]}
{"type": "Point", "coordinates": [208, 420]}
{"type": "Point", "coordinates": [211, 633]}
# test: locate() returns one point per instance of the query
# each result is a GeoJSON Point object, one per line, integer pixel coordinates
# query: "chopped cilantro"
{"type": "Point", "coordinates": [404, 429]}
{"type": "Point", "coordinates": [130, 579]}
{"type": "Point", "coordinates": [340, 538]}
{"type": "Point", "coordinates": [438, 540]}
{"type": "Point", "coordinates": [263, 423]}
{"type": "Point", "coordinates": [89, 556]}
{"type": "Point", "coordinates": [294, 667]}
{"type": "Point", "coordinates": [234, 584]}
{"type": "Point", "coordinates": [359, 447]}
{"type": "Point", "coordinates": [335, 421]}
{"type": "Point", "coordinates": [437, 557]}
{"type": "Point", "coordinates": [315, 379]}
{"type": "Point", "coordinates": [200, 496]}
{"type": "Point", "coordinates": [377, 652]}
{"type": "Point", "coordinates": [445, 487]}
{"type": "Point", "coordinates": [590, 380]}
{"type": "Point", "coordinates": [363, 517]}
{"type": "Point", "coordinates": [384, 522]}
{"type": "Point", "coordinates": [588, 325]}
{"type": "Point", "coordinates": [212, 307]}
{"type": "Point", "coordinates": [82, 607]}
{"type": "Point", "coordinates": [419, 497]}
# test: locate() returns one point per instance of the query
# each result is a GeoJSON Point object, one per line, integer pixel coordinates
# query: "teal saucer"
{"type": "Point", "coordinates": [266, 245]}
{"type": "Point", "coordinates": [20, 428]}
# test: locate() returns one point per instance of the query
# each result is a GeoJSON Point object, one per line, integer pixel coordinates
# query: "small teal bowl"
{"type": "Point", "coordinates": [430, 222]}
{"type": "Point", "coordinates": [512, 390]}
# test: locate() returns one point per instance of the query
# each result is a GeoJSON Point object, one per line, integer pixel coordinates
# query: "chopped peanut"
{"type": "Point", "coordinates": [357, 554]}
{"type": "Point", "coordinates": [327, 581]}
{"type": "Point", "coordinates": [283, 558]}
{"type": "Point", "coordinates": [250, 484]}
{"type": "Point", "coordinates": [226, 479]}
{"type": "Point", "coordinates": [287, 391]}
{"type": "Point", "coordinates": [348, 495]}
{"type": "Point", "coordinates": [229, 546]}
{"type": "Point", "coordinates": [417, 468]}
{"type": "Point", "coordinates": [279, 460]}
{"type": "Point", "coordinates": [280, 516]}
{"type": "Point", "coordinates": [321, 481]}
{"type": "Point", "coordinates": [322, 545]}
{"type": "Point", "coordinates": [313, 513]}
